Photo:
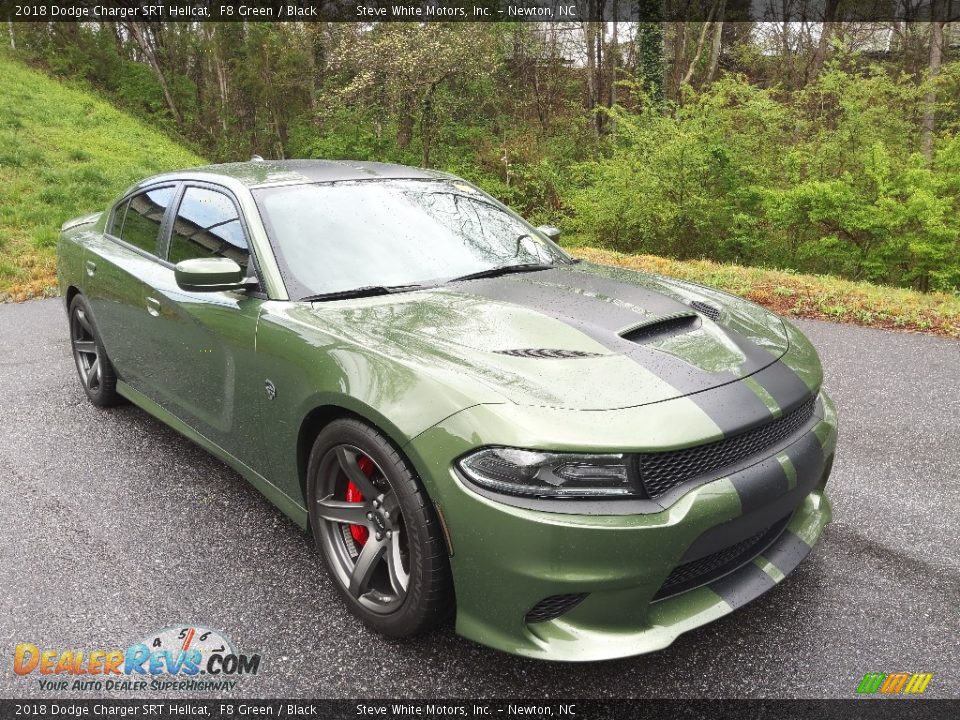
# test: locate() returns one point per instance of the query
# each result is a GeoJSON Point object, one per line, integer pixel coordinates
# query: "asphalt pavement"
{"type": "Point", "coordinates": [114, 526]}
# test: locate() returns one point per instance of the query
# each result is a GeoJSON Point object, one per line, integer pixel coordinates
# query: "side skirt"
{"type": "Point", "coordinates": [290, 507]}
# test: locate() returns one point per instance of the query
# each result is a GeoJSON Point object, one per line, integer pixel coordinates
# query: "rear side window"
{"type": "Point", "coordinates": [116, 222]}
{"type": "Point", "coordinates": [207, 224]}
{"type": "Point", "coordinates": [142, 218]}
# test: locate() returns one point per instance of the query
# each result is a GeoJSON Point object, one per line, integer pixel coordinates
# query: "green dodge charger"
{"type": "Point", "coordinates": [580, 462]}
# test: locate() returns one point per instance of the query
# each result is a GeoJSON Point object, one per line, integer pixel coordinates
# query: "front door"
{"type": "Point", "coordinates": [202, 344]}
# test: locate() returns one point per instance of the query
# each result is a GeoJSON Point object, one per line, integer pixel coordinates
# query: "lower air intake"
{"type": "Point", "coordinates": [700, 572]}
{"type": "Point", "coordinates": [553, 607]}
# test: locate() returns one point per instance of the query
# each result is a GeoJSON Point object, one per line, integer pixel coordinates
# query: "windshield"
{"type": "Point", "coordinates": [334, 237]}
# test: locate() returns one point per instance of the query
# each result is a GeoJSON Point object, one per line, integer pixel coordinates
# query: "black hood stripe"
{"type": "Point", "coordinates": [734, 408]}
{"type": "Point", "coordinates": [553, 293]}
{"type": "Point", "coordinates": [757, 357]}
{"type": "Point", "coordinates": [779, 381]}
{"type": "Point", "coordinates": [646, 298]}
{"type": "Point", "coordinates": [598, 319]}
{"type": "Point", "coordinates": [784, 386]}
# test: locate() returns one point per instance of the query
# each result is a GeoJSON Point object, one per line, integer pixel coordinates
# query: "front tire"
{"type": "Point", "coordinates": [97, 376]}
{"type": "Point", "coordinates": [377, 531]}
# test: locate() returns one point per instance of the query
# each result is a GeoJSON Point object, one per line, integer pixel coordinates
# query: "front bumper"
{"type": "Point", "coordinates": [506, 559]}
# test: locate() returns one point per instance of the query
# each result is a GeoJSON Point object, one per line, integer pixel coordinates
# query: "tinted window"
{"type": "Point", "coordinates": [141, 223]}
{"type": "Point", "coordinates": [116, 222]}
{"type": "Point", "coordinates": [207, 225]}
{"type": "Point", "coordinates": [340, 236]}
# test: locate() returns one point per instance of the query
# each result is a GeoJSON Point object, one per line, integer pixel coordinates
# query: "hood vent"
{"type": "Point", "coordinates": [661, 327]}
{"type": "Point", "coordinates": [707, 309]}
{"type": "Point", "coordinates": [548, 354]}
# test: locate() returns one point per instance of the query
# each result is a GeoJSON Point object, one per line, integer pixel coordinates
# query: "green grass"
{"type": "Point", "coordinates": [64, 152]}
{"type": "Point", "coordinates": [822, 297]}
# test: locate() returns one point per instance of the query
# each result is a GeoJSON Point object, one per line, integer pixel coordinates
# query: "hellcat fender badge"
{"type": "Point", "coordinates": [271, 390]}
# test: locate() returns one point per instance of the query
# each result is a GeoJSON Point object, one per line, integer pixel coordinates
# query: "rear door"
{"type": "Point", "coordinates": [202, 343]}
{"type": "Point", "coordinates": [116, 265]}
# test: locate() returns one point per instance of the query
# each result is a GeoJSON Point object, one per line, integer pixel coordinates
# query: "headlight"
{"type": "Point", "coordinates": [541, 474]}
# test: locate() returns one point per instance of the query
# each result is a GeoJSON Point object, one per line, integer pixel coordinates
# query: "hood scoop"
{"type": "Point", "coordinates": [548, 353]}
{"type": "Point", "coordinates": [661, 327]}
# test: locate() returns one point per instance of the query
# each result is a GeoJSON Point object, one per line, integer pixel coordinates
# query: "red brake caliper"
{"type": "Point", "coordinates": [359, 532]}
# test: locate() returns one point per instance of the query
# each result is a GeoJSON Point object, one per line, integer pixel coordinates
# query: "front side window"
{"type": "Point", "coordinates": [332, 237]}
{"type": "Point", "coordinates": [143, 216]}
{"type": "Point", "coordinates": [207, 225]}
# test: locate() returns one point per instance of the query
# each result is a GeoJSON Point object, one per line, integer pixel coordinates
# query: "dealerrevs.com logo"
{"type": "Point", "coordinates": [186, 657]}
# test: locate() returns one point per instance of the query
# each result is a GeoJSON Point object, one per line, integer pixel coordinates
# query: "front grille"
{"type": "Point", "coordinates": [553, 607]}
{"type": "Point", "coordinates": [700, 572]}
{"type": "Point", "coordinates": [660, 472]}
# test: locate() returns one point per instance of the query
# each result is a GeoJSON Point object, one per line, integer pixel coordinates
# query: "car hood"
{"type": "Point", "coordinates": [587, 337]}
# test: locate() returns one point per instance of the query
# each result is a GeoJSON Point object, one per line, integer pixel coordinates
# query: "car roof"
{"type": "Point", "coordinates": [260, 173]}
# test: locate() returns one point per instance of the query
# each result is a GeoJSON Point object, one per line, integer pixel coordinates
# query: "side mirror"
{"type": "Point", "coordinates": [209, 274]}
{"type": "Point", "coordinates": [550, 231]}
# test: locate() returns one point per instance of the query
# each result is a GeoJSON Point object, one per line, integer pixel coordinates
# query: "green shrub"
{"type": "Point", "coordinates": [828, 180]}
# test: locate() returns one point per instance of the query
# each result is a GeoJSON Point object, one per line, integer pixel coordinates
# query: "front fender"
{"type": "Point", "coordinates": [312, 366]}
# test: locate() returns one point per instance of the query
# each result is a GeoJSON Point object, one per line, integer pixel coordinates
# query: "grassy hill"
{"type": "Point", "coordinates": [63, 152]}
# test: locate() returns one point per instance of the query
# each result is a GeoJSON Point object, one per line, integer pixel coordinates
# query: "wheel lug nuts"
{"type": "Point", "coordinates": [379, 536]}
{"type": "Point", "coordinates": [369, 516]}
{"type": "Point", "coordinates": [386, 513]}
{"type": "Point", "coordinates": [376, 503]}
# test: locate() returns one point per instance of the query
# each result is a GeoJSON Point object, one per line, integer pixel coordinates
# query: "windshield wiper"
{"type": "Point", "coordinates": [365, 291]}
{"type": "Point", "coordinates": [504, 270]}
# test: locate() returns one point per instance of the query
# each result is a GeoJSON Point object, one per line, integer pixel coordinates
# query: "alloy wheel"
{"type": "Point", "coordinates": [362, 529]}
{"type": "Point", "coordinates": [86, 352]}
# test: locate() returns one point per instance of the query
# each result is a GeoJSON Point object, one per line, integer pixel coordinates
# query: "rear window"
{"type": "Point", "coordinates": [142, 217]}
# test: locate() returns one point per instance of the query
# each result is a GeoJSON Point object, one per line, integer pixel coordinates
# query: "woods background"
{"type": "Point", "coordinates": [820, 147]}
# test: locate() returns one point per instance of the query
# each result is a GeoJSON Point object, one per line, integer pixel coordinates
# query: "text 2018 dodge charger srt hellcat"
{"type": "Point", "coordinates": [579, 461]}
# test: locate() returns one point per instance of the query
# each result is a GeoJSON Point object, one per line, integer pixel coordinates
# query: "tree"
{"type": "Point", "coordinates": [715, 45]}
{"type": "Point", "coordinates": [938, 13]}
{"type": "Point", "coordinates": [403, 68]}
{"type": "Point", "coordinates": [650, 58]}
{"type": "Point", "coordinates": [146, 36]}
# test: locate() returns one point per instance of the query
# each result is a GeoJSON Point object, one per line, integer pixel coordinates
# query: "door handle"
{"type": "Point", "coordinates": [153, 306]}
{"type": "Point", "coordinates": [91, 268]}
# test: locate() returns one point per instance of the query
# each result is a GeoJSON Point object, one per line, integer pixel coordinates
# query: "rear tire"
{"type": "Point", "coordinates": [377, 531]}
{"type": "Point", "coordinates": [97, 376]}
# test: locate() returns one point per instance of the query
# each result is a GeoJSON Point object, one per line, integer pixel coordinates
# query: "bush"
{"type": "Point", "coordinates": [828, 179]}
